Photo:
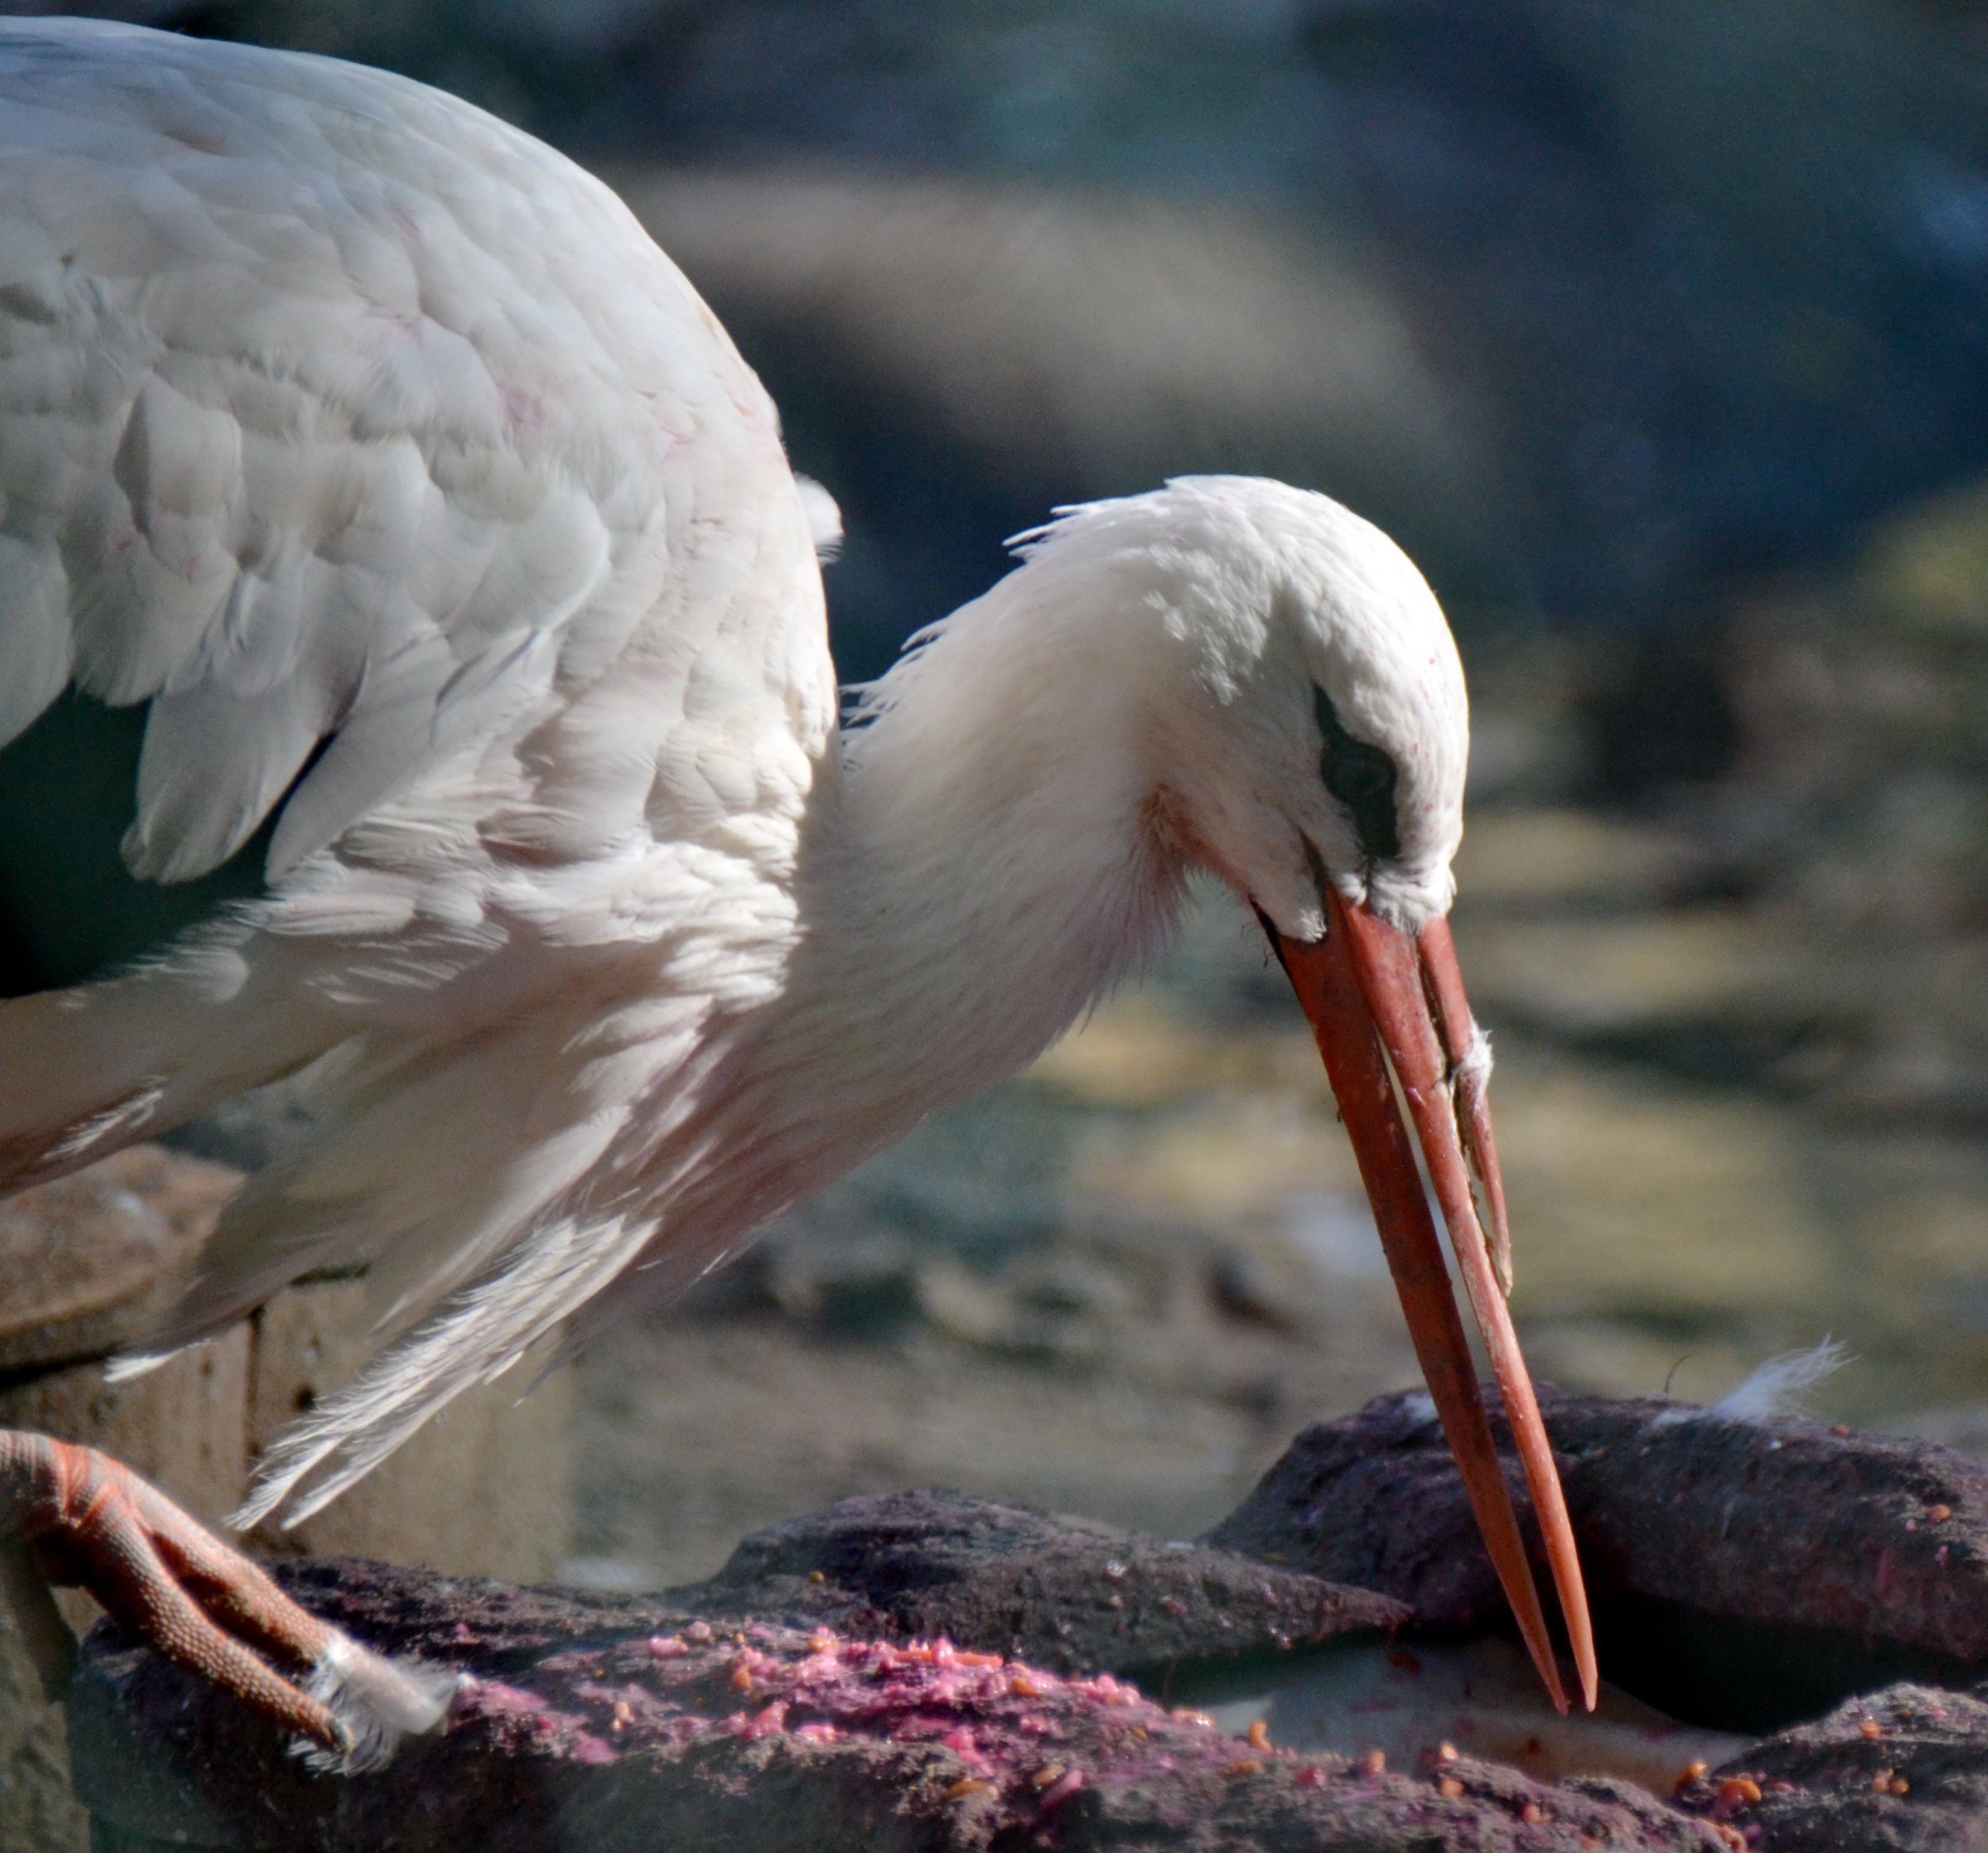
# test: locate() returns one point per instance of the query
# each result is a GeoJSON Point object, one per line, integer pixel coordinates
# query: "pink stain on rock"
{"type": "Point", "coordinates": [493, 1698]}
{"type": "Point", "coordinates": [983, 1717]}
{"type": "Point", "coordinates": [1060, 1790]}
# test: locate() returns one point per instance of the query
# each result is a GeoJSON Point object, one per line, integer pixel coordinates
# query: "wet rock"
{"type": "Point", "coordinates": [1070, 1594]}
{"type": "Point", "coordinates": [621, 1726]}
{"type": "Point", "coordinates": [1902, 1770]}
{"type": "Point", "coordinates": [1744, 1573]}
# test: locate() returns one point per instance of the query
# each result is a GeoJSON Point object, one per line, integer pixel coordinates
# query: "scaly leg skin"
{"type": "Point", "coordinates": [71, 1516]}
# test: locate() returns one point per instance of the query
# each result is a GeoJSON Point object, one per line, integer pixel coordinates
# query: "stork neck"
{"type": "Point", "coordinates": [993, 860]}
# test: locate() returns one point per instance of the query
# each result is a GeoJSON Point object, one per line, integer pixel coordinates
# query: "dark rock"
{"type": "Point", "coordinates": [1744, 1574]}
{"type": "Point", "coordinates": [725, 1715]}
{"type": "Point", "coordinates": [1066, 1593]}
{"type": "Point", "coordinates": [1902, 1770]}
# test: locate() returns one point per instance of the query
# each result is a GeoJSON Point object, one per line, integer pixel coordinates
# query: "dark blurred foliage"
{"type": "Point", "coordinates": [1711, 275]}
{"type": "Point", "coordinates": [1723, 269]}
{"type": "Point", "coordinates": [1606, 310]}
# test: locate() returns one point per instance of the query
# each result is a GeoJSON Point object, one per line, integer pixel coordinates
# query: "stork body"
{"type": "Point", "coordinates": [378, 449]}
{"type": "Point", "coordinates": [335, 412]}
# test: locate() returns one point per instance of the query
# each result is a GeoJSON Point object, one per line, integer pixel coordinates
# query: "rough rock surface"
{"type": "Point", "coordinates": [934, 1671]}
{"type": "Point", "coordinates": [710, 1718]}
{"type": "Point", "coordinates": [1068, 1594]}
{"type": "Point", "coordinates": [1744, 1573]}
{"type": "Point", "coordinates": [1900, 1771]}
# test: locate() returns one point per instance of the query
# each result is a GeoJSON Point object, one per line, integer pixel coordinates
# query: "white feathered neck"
{"type": "Point", "coordinates": [988, 854]}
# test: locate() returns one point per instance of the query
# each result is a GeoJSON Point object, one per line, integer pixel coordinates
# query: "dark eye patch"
{"type": "Point", "coordinates": [1361, 778]}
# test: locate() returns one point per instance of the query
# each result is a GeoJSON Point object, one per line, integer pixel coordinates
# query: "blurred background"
{"type": "Point", "coordinates": [1659, 333]}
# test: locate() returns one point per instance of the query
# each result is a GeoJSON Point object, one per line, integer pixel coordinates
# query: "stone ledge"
{"type": "Point", "coordinates": [803, 1696]}
{"type": "Point", "coordinates": [731, 1715]}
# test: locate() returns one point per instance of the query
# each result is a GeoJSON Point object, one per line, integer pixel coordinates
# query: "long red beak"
{"type": "Point", "coordinates": [1367, 986]}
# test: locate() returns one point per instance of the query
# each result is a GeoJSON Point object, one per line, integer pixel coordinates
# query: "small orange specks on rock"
{"type": "Point", "coordinates": [1259, 1735]}
{"type": "Point", "coordinates": [1940, 1514]}
{"type": "Point", "coordinates": [1242, 1766]}
{"type": "Point", "coordinates": [1736, 1792]}
{"type": "Point", "coordinates": [1693, 1771]}
{"type": "Point", "coordinates": [1532, 1814]}
{"type": "Point", "coordinates": [1022, 1687]}
{"type": "Point", "coordinates": [1446, 1752]}
{"type": "Point", "coordinates": [817, 1576]}
{"type": "Point", "coordinates": [1450, 1787]}
{"type": "Point", "coordinates": [625, 1714]}
{"type": "Point", "coordinates": [1375, 1762]}
{"type": "Point", "coordinates": [1888, 1782]}
{"type": "Point", "coordinates": [1048, 1774]}
{"type": "Point", "coordinates": [1872, 1728]}
{"type": "Point", "coordinates": [1729, 1836]}
{"type": "Point", "coordinates": [742, 1677]}
{"type": "Point", "coordinates": [968, 1787]}
{"type": "Point", "coordinates": [1838, 1430]}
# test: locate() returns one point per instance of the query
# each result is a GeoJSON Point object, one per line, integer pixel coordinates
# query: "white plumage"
{"type": "Point", "coordinates": [377, 447]}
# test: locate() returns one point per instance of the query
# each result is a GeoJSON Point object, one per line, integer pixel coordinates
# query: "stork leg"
{"type": "Point", "coordinates": [69, 1516]}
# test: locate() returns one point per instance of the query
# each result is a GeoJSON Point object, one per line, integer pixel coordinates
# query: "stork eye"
{"type": "Point", "coordinates": [1361, 778]}
{"type": "Point", "coordinates": [1360, 774]}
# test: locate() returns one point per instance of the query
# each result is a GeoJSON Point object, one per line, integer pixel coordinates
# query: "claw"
{"type": "Point", "coordinates": [70, 1515]}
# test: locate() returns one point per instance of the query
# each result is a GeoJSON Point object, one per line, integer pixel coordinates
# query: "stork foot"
{"type": "Point", "coordinates": [69, 1516]}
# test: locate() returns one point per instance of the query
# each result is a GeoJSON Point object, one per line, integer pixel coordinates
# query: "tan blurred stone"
{"type": "Point", "coordinates": [1547, 858]}
{"type": "Point", "coordinates": [1571, 976]}
{"type": "Point", "coordinates": [38, 1813]}
{"type": "Point", "coordinates": [182, 1425]}
{"type": "Point", "coordinates": [87, 1265]}
{"type": "Point", "coordinates": [484, 1490]}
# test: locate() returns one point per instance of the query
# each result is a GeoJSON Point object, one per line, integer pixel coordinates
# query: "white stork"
{"type": "Point", "coordinates": [376, 447]}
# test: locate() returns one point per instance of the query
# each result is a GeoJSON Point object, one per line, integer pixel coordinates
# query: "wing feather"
{"type": "Point", "coordinates": [377, 449]}
{"type": "Point", "coordinates": [339, 421]}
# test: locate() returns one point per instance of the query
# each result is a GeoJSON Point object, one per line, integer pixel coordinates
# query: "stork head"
{"type": "Point", "coordinates": [1308, 729]}
{"type": "Point", "coordinates": [1305, 730]}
